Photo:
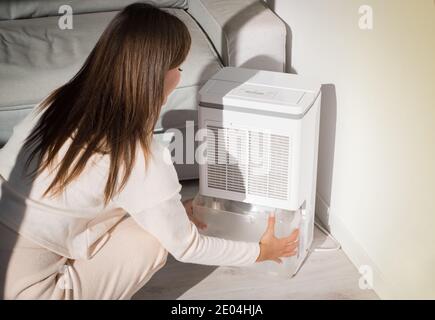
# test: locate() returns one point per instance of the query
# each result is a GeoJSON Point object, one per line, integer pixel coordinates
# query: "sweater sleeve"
{"type": "Point", "coordinates": [169, 223]}
{"type": "Point", "coordinates": [151, 196]}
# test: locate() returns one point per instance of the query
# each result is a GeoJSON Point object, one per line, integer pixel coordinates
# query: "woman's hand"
{"type": "Point", "coordinates": [189, 210]}
{"type": "Point", "coordinates": [272, 248]}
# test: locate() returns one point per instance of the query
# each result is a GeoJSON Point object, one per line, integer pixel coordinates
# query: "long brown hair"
{"type": "Point", "coordinates": [112, 104]}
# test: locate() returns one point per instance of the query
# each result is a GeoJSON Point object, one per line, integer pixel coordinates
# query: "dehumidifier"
{"type": "Point", "coordinates": [259, 152]}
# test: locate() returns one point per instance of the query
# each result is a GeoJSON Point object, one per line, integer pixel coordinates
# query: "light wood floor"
{"type": "Point", "coordinates": [325, 275]}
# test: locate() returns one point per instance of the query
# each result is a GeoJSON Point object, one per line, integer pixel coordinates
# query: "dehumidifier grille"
{"type": "Point", "coordinates": [248, 162]}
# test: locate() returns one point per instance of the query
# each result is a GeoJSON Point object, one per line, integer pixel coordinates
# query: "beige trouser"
{"type": "Point", "coordinates": [121, 267]}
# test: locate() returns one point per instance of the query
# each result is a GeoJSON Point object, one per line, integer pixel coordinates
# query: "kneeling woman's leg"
{"type": "Point", "coordinates": [118, 270]}
{"type": "Point", "coordinates": [121, 267]}
{"type": "Point", "coordinates": [27, 270]}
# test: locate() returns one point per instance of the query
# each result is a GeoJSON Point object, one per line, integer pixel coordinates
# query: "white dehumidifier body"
{"type": "Point", "coordinates": [261, 133]}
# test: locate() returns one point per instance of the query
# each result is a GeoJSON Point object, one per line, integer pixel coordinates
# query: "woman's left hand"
{"type": "Point", "coordinates": [188, 205]}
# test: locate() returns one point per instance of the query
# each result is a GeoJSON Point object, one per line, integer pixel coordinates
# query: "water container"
{"type": "Point", "coordinates": [240, 221]}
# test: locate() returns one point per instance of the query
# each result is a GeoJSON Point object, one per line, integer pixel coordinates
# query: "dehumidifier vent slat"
{"type": "Point", "coordinates": [236, 156]}
{"type": "Point", "coordinates": [216, 167]}
{"type": "Point", "coordinates": [226, 148]}
{"type": "Point", "coordinates": [279, 161]}
{"type": "Point", "coordinates": [258, 164]}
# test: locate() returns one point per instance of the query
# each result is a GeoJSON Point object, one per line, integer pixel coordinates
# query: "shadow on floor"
{"type": "Point", "coordinates": [185, 275]}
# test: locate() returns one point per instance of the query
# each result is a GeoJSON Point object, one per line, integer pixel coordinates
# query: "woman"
{"type": "Point", "coordinates": [86, 157]}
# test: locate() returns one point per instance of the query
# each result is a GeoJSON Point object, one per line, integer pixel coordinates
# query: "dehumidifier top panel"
{"type": "Point", "coordinates": [268, 78]}
{"type": "Point", "coordinates": [270, 92]}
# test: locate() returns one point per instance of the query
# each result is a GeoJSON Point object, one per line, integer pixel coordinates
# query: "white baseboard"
{"type": "Point", "coordinates": [354, 251]}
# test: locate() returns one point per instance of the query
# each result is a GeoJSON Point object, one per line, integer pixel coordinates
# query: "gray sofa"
{"type": "Point", "coordinates": [36, 56]}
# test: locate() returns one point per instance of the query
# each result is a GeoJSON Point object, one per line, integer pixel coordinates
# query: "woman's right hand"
{"type": "Point", "coordinates": [273, 248]}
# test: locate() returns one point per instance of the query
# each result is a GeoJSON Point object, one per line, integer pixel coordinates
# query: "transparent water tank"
{"type": "Point", "coordinates": [234, 220]}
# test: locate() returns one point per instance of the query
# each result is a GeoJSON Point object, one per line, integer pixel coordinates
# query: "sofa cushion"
{"type": "Point", "coordinates": [24, 9]}
{"type": "Point", "coordinates": [36, 57]}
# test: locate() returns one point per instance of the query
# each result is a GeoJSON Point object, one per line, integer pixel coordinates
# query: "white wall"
{"type": "Point", "coordinates": [377, 146]}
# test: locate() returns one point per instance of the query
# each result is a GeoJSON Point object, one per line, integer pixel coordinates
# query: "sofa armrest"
{"type": "Point", "coordinates": [245, 33]}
